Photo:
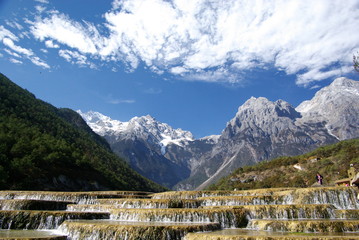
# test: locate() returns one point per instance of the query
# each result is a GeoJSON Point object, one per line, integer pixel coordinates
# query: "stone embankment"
{"type": "Point", "coordinates": [285, 213]}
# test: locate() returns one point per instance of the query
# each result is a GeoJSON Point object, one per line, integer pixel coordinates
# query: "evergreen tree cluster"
{"type": "Point", "coordinates": [39, 143]}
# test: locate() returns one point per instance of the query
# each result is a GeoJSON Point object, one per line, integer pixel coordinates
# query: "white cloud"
{"type": "Point", "coordinates": [66, 31]}
{"type": "Point", "coordinates": [4, 33]}
{"type": "Point", "coordinates": [216, 40]}
{"type": "Point", "coordinates": [10, 44]}
{"type": "Point", "coordinates": [40, 9]}
{"type": "Point", "coordinates": [14, 24]}
{"type": "Point", "coordinates": [317, 75]}
{"type": "Point", "coordinates": [315, 87]}
{"type": "Point", "coordinates": [43, 1]}
{"type": "Point", "coordinates": [14, 54]}
{"type": "Point", "coordinates": [13, 60]}
{"type": "Point", "coordinates": [75, 58]}
{"type": "Point", "coordinates": [178, 70]}
{"type": "Point", "coordinates": [8, 39]}
{"type": "Point", "coordinates": [37, 61]}
{"type": "Point", "coordinates": [51, 44]}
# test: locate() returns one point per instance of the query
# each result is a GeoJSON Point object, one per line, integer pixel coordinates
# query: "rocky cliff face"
{"type": "Point", "coordinates": [264, 130]}
{"type": "Point", "coordinates": [261, 130]}
{"type": "Point", "coordinates": [338, 106]}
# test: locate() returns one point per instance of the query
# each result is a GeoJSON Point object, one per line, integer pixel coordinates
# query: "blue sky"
{"type": "Point", "coordinates": [188, 63]}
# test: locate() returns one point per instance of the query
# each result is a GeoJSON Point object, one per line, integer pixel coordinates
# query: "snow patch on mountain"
{"type": "Point", "coordinates": [145, 127]}
{"type": "Point", "coordinates": [102, 124]}
{"type": "Point", "coordinates": [211, 139]}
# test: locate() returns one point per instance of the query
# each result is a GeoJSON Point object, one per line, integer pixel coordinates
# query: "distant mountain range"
{"type": "Point", "coordinates": [260, 130]}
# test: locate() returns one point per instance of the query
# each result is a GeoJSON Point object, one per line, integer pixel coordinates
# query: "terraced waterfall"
{"type": "Point", "coordinates": [286, 213]}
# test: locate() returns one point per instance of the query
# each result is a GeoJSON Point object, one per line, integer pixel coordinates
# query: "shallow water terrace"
{"type": "Point", "coordinates": [286, 213]}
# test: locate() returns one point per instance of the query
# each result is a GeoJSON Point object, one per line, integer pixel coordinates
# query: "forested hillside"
{"type": "Point", "coordinates": [331, 161]}
{"type": "Point", "coordinates": [46, 148]}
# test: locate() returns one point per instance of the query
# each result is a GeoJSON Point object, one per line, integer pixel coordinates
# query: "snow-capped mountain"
{"type": "Point", "coordinates": [102, 124]}
{"type": "Point", "coordinates": [143, 143]}
{"type": "Point", "coordinates": [260, 130]}
{"type": "Point", "coordinates": [145, 127]}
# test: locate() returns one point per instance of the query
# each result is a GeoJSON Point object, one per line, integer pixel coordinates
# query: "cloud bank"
{"type": "Point", "coordinates": [212, 41]}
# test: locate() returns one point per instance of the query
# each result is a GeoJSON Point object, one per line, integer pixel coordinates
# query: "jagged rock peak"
{"type": "Point", "coordinates": [263, 115]}
{"type": "Point", "coordinates": [261, 107]}
{"type": "Point", "coordinates": [148, 120]}
{"type": "Point", "coordinates": [102, 124]}
{"type": "Point", "coordinates": [137, 126]}
{"type": "Point", "coordinates": [344, 82]}
{"type": "Point", "coordinates": [334, 92]}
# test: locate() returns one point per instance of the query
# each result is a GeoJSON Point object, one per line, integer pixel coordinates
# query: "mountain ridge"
{"type": "Point", "coordinates": [262, 130]}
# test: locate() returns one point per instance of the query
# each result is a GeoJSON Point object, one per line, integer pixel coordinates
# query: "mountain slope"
{"type": "Point", "coordinates": [331, 161]}
{"type": "Point", "coordinates": [152, 148]}
{"type": "Point", "coordinates": [263, 130]}
{"type": "Point", "coordinates": [45, 148]}
{"type": "Point", "coordinates": [337, 105]}
{"type": "Point", "coordinates": [260, 130]}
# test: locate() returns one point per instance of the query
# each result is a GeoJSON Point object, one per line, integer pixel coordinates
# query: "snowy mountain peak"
{"type": "Point", "coordinates": [336, 105]}
{"type": "Point", "coordinates": [344, 82]}
{"type": "Point", "coordinates": [259, 108]}
{"type": "Point", "coordinates": [211, 139]}
{"type": "Point", "coordinates": [144, 127]}
{"type": "Point", "coordinates": [102, 124]}
{"type": "Point", "coordinates": [339, 88]}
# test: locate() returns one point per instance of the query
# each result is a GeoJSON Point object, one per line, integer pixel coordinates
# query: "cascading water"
{"type": "Point", "coordinates": [341, 198]}
{"type": "Point", "coordinates": [172, 215]}
{"type": "Point", "coordinates": [22, 219]}
{"type": "Point", "coordinates": [235, 217]}
{"type": "Point", "coordinates": [312, 211]}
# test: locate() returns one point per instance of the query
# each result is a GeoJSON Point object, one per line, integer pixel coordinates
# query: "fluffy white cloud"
{"type": "Point", "coordinates": [8, 39]}
{"type": "Point", "coordinates": [216, 40]}
{"type": "Point", "coordinates": [59, 27]}
{"type": "Point", "coordinates": [51, 44]}
{"type": "Point", "coordinates": [10, 44]}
